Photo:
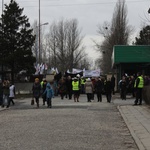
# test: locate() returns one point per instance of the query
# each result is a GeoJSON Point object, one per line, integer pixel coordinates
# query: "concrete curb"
{"type": "Point", "coordinates": [136, 139]}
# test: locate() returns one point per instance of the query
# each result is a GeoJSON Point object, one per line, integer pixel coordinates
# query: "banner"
{"type": "Point", "coordinates": [74, 71]}
{"type": "Point", "coordinates": [91, 73]}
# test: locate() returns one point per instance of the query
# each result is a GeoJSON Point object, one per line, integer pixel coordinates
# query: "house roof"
{"type": "Point", "coordinates": [131, 54]}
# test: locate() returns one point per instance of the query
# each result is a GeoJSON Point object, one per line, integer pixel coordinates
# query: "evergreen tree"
{"type": "Point", "coordinates": [144, 37]}
{"type": "Point", "coordinates": [16, 40]}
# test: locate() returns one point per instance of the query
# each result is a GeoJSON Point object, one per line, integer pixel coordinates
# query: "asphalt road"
{"type": "Point", "coordinates": [67, 126]}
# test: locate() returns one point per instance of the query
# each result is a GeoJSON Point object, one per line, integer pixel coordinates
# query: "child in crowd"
{"type": "Point", "coordinates": [49, 95]}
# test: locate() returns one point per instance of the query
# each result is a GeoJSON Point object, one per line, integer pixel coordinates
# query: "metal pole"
{"type": "Point", "coordinates": [2, 6]}
{"type": "Point", "coordinates": [2, 42]}
{"type": "Point", "coordinates": [39, 35]}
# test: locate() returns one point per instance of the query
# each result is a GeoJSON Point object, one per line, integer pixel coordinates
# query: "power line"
{"type": "Point", "coordinates": [79, 4]}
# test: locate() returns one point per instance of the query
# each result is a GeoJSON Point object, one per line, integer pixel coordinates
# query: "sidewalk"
{"type": "Point", "coordinates": [137, 119]}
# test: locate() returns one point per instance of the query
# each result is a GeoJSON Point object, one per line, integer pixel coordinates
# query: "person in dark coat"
{"type": "Point", "coordinates": [6, 85]}
{"type": "Point", "coordinates": [113, 84]}
{"type": "Point", "coordinates": [108, 89]}
{"type": "Point", "coordinates": [131, 85]}
{"type": "Point", "coordinates": [36, 88]}
{"type": "Point", "coordinates": [98, 89]}
{"type": "Point", "coordinates": [123, 88]}
{"type": "Point", "coordinates": [69, 87]}
{"type": "Point", "coordinates": [62, 87]}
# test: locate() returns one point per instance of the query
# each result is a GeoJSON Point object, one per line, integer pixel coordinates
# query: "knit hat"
{"type": "Point", "coordinates": [88, 79]}
{"type": "Point", "coordinates": [36, 79]}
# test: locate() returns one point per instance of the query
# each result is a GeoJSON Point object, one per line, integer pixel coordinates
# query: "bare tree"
{"type": "Point", "coordinates": [35, 48]}
{"type": "Point", "coordinates": [65, 45]}
{"type": "Point", "coordinates": [117, 33]}
{"type": "Point", "coordinates": [51, 41]}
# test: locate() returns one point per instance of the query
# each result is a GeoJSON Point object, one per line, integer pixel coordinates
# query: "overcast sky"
{"type": "Point", "coordinates": [89, 14]}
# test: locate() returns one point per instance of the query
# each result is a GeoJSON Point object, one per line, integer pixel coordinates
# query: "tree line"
{"type": "Point", "coordinates": [62, 45]}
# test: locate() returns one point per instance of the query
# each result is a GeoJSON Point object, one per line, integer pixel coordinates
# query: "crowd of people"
{"type": "Point", "coordinates": [68, 87]}
{"type": "Point", "coordinates": [71, 88]}
{"type": "Point", "coordinates": [7, 93]}
{"type": "Point", "coordinates": [134, 85]}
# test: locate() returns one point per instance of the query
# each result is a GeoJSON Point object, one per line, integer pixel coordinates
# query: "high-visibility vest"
{"type": "Point", "coordinates": [42, 84]}
{"type": "Point", "coordinates": [82, 81]}
{"type": "Point", "coordinates": [75, 85]}
{"type": "Point", "coordinates": [141, 83]}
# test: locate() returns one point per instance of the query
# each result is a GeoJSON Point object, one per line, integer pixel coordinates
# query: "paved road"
{"type": "Point", "coordinates": [67, 126]}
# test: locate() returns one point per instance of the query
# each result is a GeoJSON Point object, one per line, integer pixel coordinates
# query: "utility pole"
{"type": "Point", "coordinates": [39, 34]}
{"type": "Point", "coordinates": [2, 69]}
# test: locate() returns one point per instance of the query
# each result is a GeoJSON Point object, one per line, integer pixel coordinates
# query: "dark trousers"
{"type": "Point", "coordinates": [123, 94]}
{"type": "Point", "coordinates": [70, 94]}
{"type": "Point", "coordinates": [10, 100]}
{"type": "Point", "coordinates": [99, 97]}
{"type": "Point", "coordinates": [113, 90]}
{"type": "Point", "coordinates": [82, 89]}
{"type": "Point", "coordinates": [138, 96]}
{"type": "Point", "coordinates": [62, 95]}
{"type": "Point", "coordinates": [108, 96]}
{"type": "Point", "coordinates": [49, 102]}
{"type": "Point", "coordinates": [89, 97]}
{"type": "Point", "coordinates": [44, 99]}
{"type": "Point", "coordinates": [5, 99]}
{"type": "Point", "coordinates": [37, 101]}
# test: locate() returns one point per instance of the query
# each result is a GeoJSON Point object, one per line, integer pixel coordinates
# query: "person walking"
{"type": "Point", "coordinates": [89, 89]}
{"type": "Point", "coordinates": [83, 80]}
{"type": "Point", "coordinates": [108, 89]}
{"type": "Point", "coordinates": [98, 89]}
{"type": "Point", "coordinates": [36, 88]}
{"type": "Point", "coordinates": [49, 95]}
{"type": "Point", "coordinates": [62, 87]}
{"type": "Point", "coordinates": [11, 94]}
{"type": "Point", "coordinates": [139, 84]}
{"type": "Point", "coordinates": [69, 87]}
{"type": "Point", "coordinates": [113, 79]}
{"type": "Point", "coordinates": [123, 88]}
{"type": "Point", "coordinates": [5, 92]}
{"type": "Point", "coordinates": [43, 89]}
{"type": "Point", "coordinates": [76, 89]}
{"type": "Point", "coordinates": [131, 85]}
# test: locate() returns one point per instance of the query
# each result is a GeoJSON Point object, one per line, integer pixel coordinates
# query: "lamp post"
{"type": "Point", "coordinates": [2, 69]}
{"type": "Point", "coordinates": [149, 10]}
{"type": "Point", "coordinates": [39, 34]}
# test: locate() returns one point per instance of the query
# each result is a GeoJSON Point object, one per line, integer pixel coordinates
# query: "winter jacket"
{"type": "Point", "coordinates": [99, 86]}
{"type": "Point", "coordinates": [36, 90]}
{"type": "Point", "coordinates": [49, 91]}
{"type": "Point", "coordinates": [88, 87]}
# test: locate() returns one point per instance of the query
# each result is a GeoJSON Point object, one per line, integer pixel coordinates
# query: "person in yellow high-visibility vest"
{"type": "Point", "coordinates": [76, 89]}
{"type": "Point", "coordinates": [138, 85]}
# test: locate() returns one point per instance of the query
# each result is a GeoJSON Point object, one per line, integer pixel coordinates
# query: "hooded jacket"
{"type": "Point", "coordinates": [49, 91]}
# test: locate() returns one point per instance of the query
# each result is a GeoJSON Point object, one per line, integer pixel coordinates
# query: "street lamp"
{"type": "Point", "coordinates": [149, 10]}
